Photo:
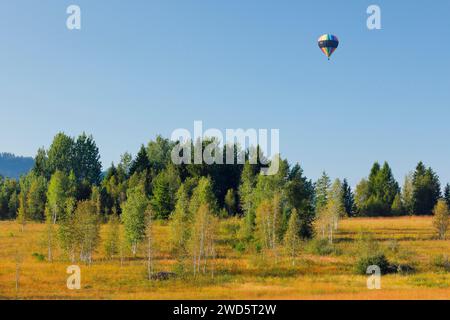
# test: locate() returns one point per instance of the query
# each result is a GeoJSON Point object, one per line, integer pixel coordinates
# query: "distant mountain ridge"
{"type": "Point", "coordinates": [13, 166]}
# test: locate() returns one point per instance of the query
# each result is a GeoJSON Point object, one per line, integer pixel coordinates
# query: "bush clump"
{"type": "Point", "coordinates": [240, 247]}
{"type": "Point", "coordinates": [39, 256]}
{"type": "Point", "coordinates": [321, 247]}
{"type": "Point", "coordinates": [441, 262]}
{"type": "Point", "coordinates": [378, 259]}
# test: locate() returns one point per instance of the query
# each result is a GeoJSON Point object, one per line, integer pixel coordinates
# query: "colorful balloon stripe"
{"type": "Point", "coordinates": [328, 43]}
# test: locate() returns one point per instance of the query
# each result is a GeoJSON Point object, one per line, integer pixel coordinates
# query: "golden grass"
{"type": "Point", "coordinates": [238, 275]}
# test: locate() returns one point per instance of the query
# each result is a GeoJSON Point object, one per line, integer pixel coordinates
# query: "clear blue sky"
{"type": "Point", "coordinates": [139, 68]}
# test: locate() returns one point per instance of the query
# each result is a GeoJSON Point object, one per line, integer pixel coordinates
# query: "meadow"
{"type": "Point", "coordinates": [238, 274]}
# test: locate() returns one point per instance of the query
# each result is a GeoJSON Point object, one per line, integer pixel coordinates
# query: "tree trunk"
{"type": "Point", "coordinates": [149, 259]}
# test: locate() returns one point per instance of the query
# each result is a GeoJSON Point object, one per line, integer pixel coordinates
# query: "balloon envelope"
{"type": "Point", "coordinates": [328, 43]}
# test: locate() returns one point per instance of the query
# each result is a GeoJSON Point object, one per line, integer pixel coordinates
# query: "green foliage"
{"type": "Point", "coordinates": [322, 186]}
{"type": "Point", "coordinates": [41, 165]}
{"type": "Point", "coordinates": [447, 194]}
{"type": "Point", "coordinates": [113, 189]}
{"type": "Point", "coordinates": [141, 163]}
{"type": "Point", "coordinates": [397, 208]}
{"type": "Point", "coordinates": [321, 247]}
{"type": "Point", "coordinates": [202, 238]}
{"type": "Point", "coordinates": [377, 259]}
{"type": "Point", "coordinates": [68, 232]}
{"type": "Point", "coordinates": [79, 230]}
{"type": "Point", "coordinates": [112, 240]}
{"type": "Point", "coordinates": [203, 194]}
{"type": "Point", "coordinates": [133, 216]}
{"type": "Point", "coordinates": [441, 262]}
{"type": "Point", "coordinates": [230, 202]}
{"type": "Point", "coordinates": [37, 198]}
{"type": "Point", "coordinates": [87, 166]}
{"type": "Point", "coordinates": [61, 154]}
{"type": "Point", "coordinates": [362, 195]}
{"type": "Point", "coordinates": [374, 197]}
{"type": "Point", "coordinates": [87, 229]}
{"type": "Point", "coordinates": [158, 152]}
{"type": "Point", "coordinates": [408, 195]}
{"type": "Point", "coordinates": [292, 239]}
{"type": "Point", "coordinates": [441, 219]}
{"type": "Point", "coordinates": [125, 164]}
{"type": "Point", "coordinates": [267, 186]}
{"type": "Point", "coordinates": [247, 199]}
{"type": "Point", "coordinates": [165, 187]}
{"type": "Point", "coordinates": [22, 214]}
{"type": "Point", "coordinates": [180, 221]}
{"type": "Point", "coordinates": [327, 221]}
{"type": "Point", "coordinates": [426, 190]}
{"type": "Point", "coordinates": [39, 256]}
{"type": "Point", "coordinates": [9, 200]}
{"type": "Point", "coordinates": [240, 247]}
{"type": "Point", "coordinates": [300, 196]}
{"type": "Point", "coordinates": [348, 199]}
{"type": "Point", "coordinates": [57, 195]}
{"type": "Point", "coordinates": [268, 230]}
{"type": "Point", "coordinates": [78, 157]}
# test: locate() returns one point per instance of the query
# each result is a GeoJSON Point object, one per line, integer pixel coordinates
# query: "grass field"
{"type": "Point", "coordinates": [237, 275]}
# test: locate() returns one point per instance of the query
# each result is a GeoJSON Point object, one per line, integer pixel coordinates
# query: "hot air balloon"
{"type": "Point", "coordinates": [328, 43]}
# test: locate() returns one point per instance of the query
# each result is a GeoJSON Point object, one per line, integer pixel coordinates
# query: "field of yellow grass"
{"type": "Point", "coordinates": [237, 275]}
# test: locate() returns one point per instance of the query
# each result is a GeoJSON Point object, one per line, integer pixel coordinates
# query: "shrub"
{"type": "Point", "coordinates": [378, 259]}
{"type": "Point", "coordinates": [441, 262]}
{"type": "Point", "coordinates": [39, 256]}
{"type": "Point", "coordinates": [321, 247]}
{"type": "Point", "coordinates": [240, 247]}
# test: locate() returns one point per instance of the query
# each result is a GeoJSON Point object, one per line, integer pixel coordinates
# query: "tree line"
{"type": "Point", "coordinates": [67, 189]}
{"type": "Point", "coordinates": [74, 165]}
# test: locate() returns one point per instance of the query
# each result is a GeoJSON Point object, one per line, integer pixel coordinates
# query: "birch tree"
{"type": "Point", "coordinates": [56, 196]}
{"type": "Point", "coordinates": [180, 222]}
{"type": "Point", "coordinates": [150, 241]}
{"type": "Point", "coordinates": [133, 216]}
{"type": "Point", "coordinates": [441, 219]}
{"type": "Point", "coordinates": [87, 223]}
{"type": "Point", "coordinates": [269, 223]}
{"type": "Point", "coordinates": [292, 236]}
{"type": "Point", "coordinates": [112, 240]}
{"type": "Point", "coordinates": [327, 221]}
{"type": "Point", "coordinates": [68, 233]}
{"type": "Point", "coordinates": [203, 235]}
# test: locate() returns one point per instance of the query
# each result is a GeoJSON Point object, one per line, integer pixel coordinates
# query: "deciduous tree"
{"type": "Point", "coordinates": [441, 219]}
{"type": "Point", "coordinates": [133, 216]}
{"type": "Point", "coordinates": [292, 239]}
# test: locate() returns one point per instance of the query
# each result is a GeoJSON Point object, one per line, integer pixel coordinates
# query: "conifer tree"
{"type": "Point", "coordinates": [247, 200]}
{"type": "Point", "coordinates": [397, 206]}
{"type": "Point", "coordinates": [427, 189]}
{"type": "Point", "coordinates": [447, 194]}
{"type": "Point", "coordinates": [141, 163]}
{"type": "Point", "coordinates": [322, 187]}
{"type": "Point", "coordinates": [348, 198]}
